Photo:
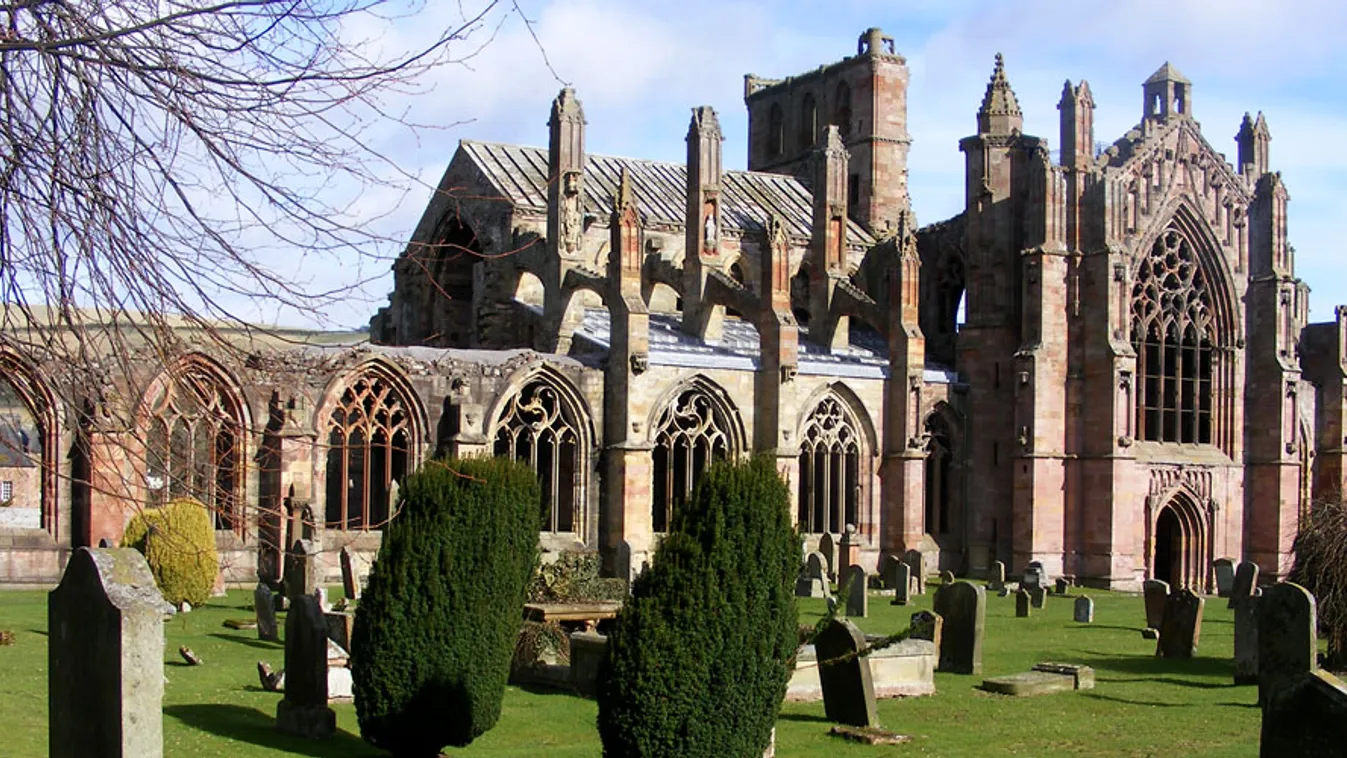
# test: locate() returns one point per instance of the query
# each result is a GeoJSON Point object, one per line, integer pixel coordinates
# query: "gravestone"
{"type": "Point", "coordinates": [816, 566]}
{"type": "Point", "coordinates": [105, 658]}
{"type": "Point", "coordinates": [1156, 595]}
{"type": "Point", "coordinates": [1246, 641]}
{"type": "Point", "coordinates": [1224, 569]}
{"type": "Point", "coordinates": [1022, 603]}
{"type": "Point", "coordinates": [902, 584]}
{"type": "Point", "coordinates": [844, 677]}
{"type": "Point", "coordinates": [963, 606]}
{"type": "Point", "coordinates": [1034, 576]}
{"type": "Point", "coordinates": [340, 627]}
{"type": "Point", "coordinates": [891, 569]}
{"type": "Point", "coordinates": [1084, 610]}
{"type": "Point", "coordinates": [1182, 625]}
{"type": "Point", "coordinates": [806, 587]}
{"type": "Point", "coordinates": [917, 563]}
{"type": "Point", "coordinates": [848, 548]}
{"type": "Point", "coordinates": [265, 607]}
{"type": "Point", "coordinates": [301, 570]}
{"type": "Point", "coordinates": [858, 600]}
{"type": "Point", "coordinates": [304, 710]}
{"type": "Point", "coordinates": [947, 577]}
{"type": "Point", "coordinates": [350, 579]}
{"type": "Point", "coordinates": [1246, 580]}
{"type": "Point", "coordinates": [1287, 647]}
{"type": "Point", "coordinates": [1063, 585]}
{"type": "Point", "coordinates": [1038, 596]}
{"type": "Point", "coordinates": [828, 548]}
{"type": "Point", "coordinates": [997, 579]}
{"type": "Point", "coordinates": [928, 626]}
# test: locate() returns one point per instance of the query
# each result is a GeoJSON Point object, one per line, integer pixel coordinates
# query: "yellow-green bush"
{"type": "Point", "coordinates": [178, 541]}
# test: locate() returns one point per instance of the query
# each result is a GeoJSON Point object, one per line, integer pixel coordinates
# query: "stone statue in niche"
{"type": "Point", "coordinates": [572, 222]}
{"type": "Point", "coordinates": [709, 227]}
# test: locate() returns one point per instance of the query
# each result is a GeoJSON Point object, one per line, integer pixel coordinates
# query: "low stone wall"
{"type": "Point", "coordinates": [28, 558]}
{"type": "Point", "coordinates": [906, 669]}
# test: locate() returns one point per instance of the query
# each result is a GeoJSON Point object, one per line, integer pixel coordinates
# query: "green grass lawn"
{"type": "Point", "coordinates": [1141, 706]}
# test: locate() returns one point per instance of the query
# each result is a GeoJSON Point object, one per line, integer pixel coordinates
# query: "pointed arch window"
{"type": "Point", "coordinates": [1173, 336]}
{"type": "Point", "coordinates": [830, 470]}
{"type": "Point", "coordinates": [692, 432]}
{"type": "Point", "coordinates": [842, 112]}
{"type": "Point", "coordinates": [776, 132]}
{"type": "Point", "coordinates": [538, 428]}
{"type": "Point", "coordinates": [369, 440]}
{"type": "Point", "coordinates": [809, 122]}
{"type": "Point", "coordinates": [193, 447]}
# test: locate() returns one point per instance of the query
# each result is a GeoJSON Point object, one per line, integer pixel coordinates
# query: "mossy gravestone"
{"type": "Point", "coordinates": [963, 606]}
{"type": "Point", "coordinates": [105, 658]}
{"type": "Point", "coordinates": [858, 601]}
{"type": "Point", "coordinates": [1156, 595]}
{"type": "Point", "coordinates": [1182, 627]}
{"type": "Point", "coordinates": [1246, 578]}
{"type": "Point", "coordinates": [848, 688]}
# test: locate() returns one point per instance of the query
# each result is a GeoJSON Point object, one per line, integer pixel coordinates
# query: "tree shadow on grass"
{"type": "Point", "coordinates": [1087, 627]}
{"type": "Point", "coordinates": [809, 717]}
{"type": "Point", "coordinates": [1184, 672]}
{"type": "Point", "coordinates": [243, 724]}
{"type": "Point", "coordinates": [1130, 701]}
{"type": "Point", "coordinates": [249, 641]}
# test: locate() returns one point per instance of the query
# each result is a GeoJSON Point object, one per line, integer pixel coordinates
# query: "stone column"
{"type": "Point", "coordinates": [779, 343]}
{"type": "Point", "coordinates": [105, 658]}
{"type": "Point", "coordinates": [702, 251]}
{"type": "Point", "coordinates": [903, 469]}
{"type": "Point", "coordinates": [828, 248]}
{"type": "Point", "coordinates": [565, 215]}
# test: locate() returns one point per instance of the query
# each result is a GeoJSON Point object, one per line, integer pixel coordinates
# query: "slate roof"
{"type": "Point", "coordinates": [738, 349]}
{"type": "Point", "coordinates": [1165, 73]}
{"type": "Point", "coordinates": [520, 175]}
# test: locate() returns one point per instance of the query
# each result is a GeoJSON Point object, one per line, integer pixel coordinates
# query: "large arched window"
{"type": "Point", "coordinates": [842, 109]}
{"type": "Point", "coordinates": [830, 470]}
{"type": "Point", "coordinates": [369, 437]}
{"type": "Point", "coordinates": [808, 122]}
{"type": "Point", "coordinates": [540, 429]}
{"type": "Point", "coordinates": [1173, 334]}
{"type": "Point", "coordinates": [28, 435]}
{"type": "Point", "coordinates": [194, 445]}
{"type": "Point", "coordinates": [776, 132]}
{"type": "Point", "coordinates": [692, 431]}
{"type": "Point", "coordinates": [939, 475]}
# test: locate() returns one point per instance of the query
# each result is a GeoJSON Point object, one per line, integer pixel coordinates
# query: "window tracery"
{"type": "Point", "coordinates": [1173, 334]}
{"type": "Point", "coordinates": [537, 428]}
{"type": "Point", "coordinates": [193, 447]}
{"type": "Point", "coordinates": [369, 448]}
{"type": "Point", "coordinates": [830, 470]}
{"type": "Point", "coordinates": [692, 432]}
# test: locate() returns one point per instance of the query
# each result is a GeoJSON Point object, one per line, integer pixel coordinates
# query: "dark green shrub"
{"type": "Point", "coordinates": [178, 542]}
{"type": "Point", "coordinates": [699, 658]}
{"type": "Point", "coordinates": [436, 626]}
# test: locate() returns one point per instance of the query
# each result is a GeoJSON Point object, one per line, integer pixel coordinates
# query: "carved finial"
{"type": "Point", "coordinates": [566, 107]}
{"type": "Point", "coordinates": [776, 230]}
{"type": "Point", "coordinates": [1000, 112]}
{"type": "Point", "coordinates": [704, 123]}
{"type": "Point", "coordinates": [832, 141]}
{"type": "Point", "coordinates": [625, 195]}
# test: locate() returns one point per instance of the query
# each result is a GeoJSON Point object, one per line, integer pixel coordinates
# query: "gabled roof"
{"type": "Point", "coordinates": [519, 173]}
{"type": "Point", "coordinates": [1167, 73]}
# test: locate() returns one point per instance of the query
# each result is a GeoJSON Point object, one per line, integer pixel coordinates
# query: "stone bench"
{"type": "Point", "coordinates": [586, 614]}
{"type": "Point", "coordinates": [905, 669]}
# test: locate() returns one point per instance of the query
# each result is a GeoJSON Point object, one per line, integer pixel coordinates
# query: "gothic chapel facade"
{"type": "Point", "coordinates": [1134, 390]}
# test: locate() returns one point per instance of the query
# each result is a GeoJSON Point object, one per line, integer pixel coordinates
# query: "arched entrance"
{"type": "Point", "coordinates": [1179, 552]}
{"type": "Point", "coordinates": [1168, 548]}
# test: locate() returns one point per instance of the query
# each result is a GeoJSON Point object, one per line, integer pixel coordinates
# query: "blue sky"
{"type": "Point", "coordinates": [639, 67]}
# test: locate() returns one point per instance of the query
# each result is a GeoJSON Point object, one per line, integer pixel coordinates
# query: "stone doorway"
{"type": "Point", "coordinates": [1168, 548]}
{"type": "Point", "coordinates": [1178, 547]}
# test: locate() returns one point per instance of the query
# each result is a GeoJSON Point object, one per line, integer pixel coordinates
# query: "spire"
{"type": "Point", "coordinates": [1253, 139]}
{"type": "Point", "coordinates": [1000, 112]}
{"type": "Point", "coordinates": [1166, 94]}
{"type": "Point", "coordinates": [1077, 125]}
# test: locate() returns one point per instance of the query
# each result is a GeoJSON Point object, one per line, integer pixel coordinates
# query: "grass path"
{"type": "Point", "coordinates": [1142, 706]}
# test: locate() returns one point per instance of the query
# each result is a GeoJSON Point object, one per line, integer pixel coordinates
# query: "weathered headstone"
{"type": "Point", "coordinates": [996, 581]}
{"type": "Point", "coordinates": [1287, 645]}
{"type": "Point", "coordinates": [1038, 596]}
{"type": "Point", "coordinates": [105, 658]}
{"type": "Point", "coordinates": [1246, 641]}
{"type": "Point", "coordinates": [848, 689]}
{"type": "Point", "coordinates": [1156, 594]}
{"type": "Point", "coordinates": [350, 579]}
{"type": "Point", "coordinates": [304, 710]}
{"type": "Point", "coordinates": [848, 548]}
{"type": "Point", "coordinates": [271, 681]}
{"type": "Point", "coordinates": [301, 569]}
{"type": "Point", "coordinates": [963, 606]}
{"type": "Point", "coordinates": [1246, 579]}
{"type": "Point", "coordinates": [1304, 709]}
{"type": "Point", "coordinates": [813, 581]}
{"type": "Point", "coordinates": [928, 626]}
{"type": "Point", "coordinates": [917, 562]}
{"type": "Point", "coordinates": [816, 566]}
{"type": "Point", "coordinates": [858, 600]}
{"type": "Point", "coordinates": [1063, 585]}
{"type": "Point", "coordinates": [947, 577]}
{"type": "Point", "coordinates": [265, 607]}
{"type": "Point", "coordinates": [806, 587]}
{"type": "Point", "coordinates": [828, 548]}
{"type": "Point", "coordinates": [890, 571]}
{"type": "Point", "coordinates": [1084, 610]}
{"type": "Point", "coordinates": [1182, 626]}
{"type": "Point", "coordinates": [340, 627]}
{"type": "Point", "coordinates": [1022, 603]}
{"type": "Point", "coordinates": [902, 584]}
{"type": "Point", "coordinates": [1224, 569]}
{"type": "Point", "coordinates": [1034, 576]}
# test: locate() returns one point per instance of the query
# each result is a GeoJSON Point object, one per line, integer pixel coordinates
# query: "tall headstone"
{"type": "Point", "coordinates": [844, 677]}
{"type": "Point", "coordinates": [1156, 594]}
{"type": "Point", "coordinates": [304, 710]}
{"type": "Point", "coordinates": [1246, 641]}
{"type": "Point", "coordinates": [917, 562]}
{"type": "Point", "coordinates": [105, 658]}
{"type": "Point", "coordinates": [997, 579]}
{"type": "Point", "coordinates": [829, 550]}
{"type": "Point", "coordinates": [1038, 596]}
{"type": "Point", "coordinates": [858, 600]}
{"type": "Point", "coordinates": [902, 587]}
{"type": "Point", "coordinates": [264, 604]}
{"type": "Point", "coordinates": [963, 606]}
{"type": "Point", "coordinates": [350, 578]}
{"type": "Point", "coordinates": [1034, 576]}
{"type": "Point", "coordinates": [301, 570]}
{"type": "Point", "coordinates": [1182, 626]}
{"type": "Point", "coordinates": [1287, 645]}
{"type": "Point", "coordinates": [890, 571]}
{"type": "Point", "coordinates": [816, 566]}
{"type": "Point", "coordinates": [849, 547]}
{"type": "Point", "coordinates": [1022, 603]}
{"type": "Point", "coordinates": [1224, 569]}
{"type": "Point", "coordinates": [1084, 610]}
{"type": "Point", "coordinates": [1246, 579]}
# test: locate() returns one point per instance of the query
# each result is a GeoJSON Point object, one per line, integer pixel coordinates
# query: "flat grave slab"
{"type": "Point", "coordinates": [1044, 679]}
